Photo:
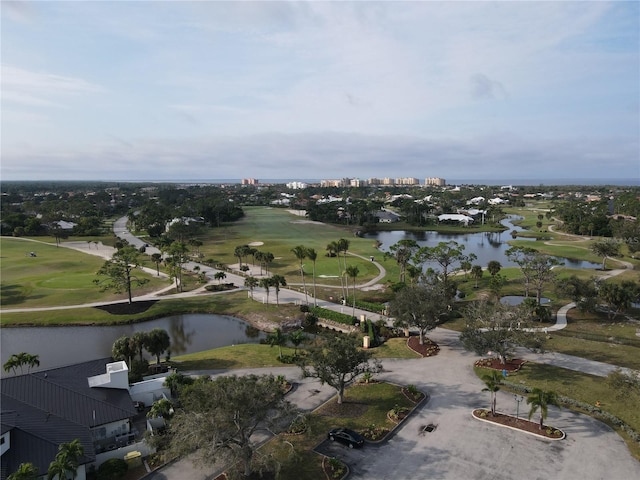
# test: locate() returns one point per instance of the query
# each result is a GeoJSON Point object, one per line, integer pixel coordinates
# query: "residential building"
{"type": "Point", "coordinates": [89, 401]}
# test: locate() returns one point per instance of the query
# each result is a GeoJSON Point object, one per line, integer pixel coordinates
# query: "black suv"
{"type": "Point", "coordinates": [346, 436]}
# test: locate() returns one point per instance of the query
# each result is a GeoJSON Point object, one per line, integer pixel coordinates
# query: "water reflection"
{"type": "Point", "coordinates": [59, 346]}
{"type": "Point", "coordinates": [487, 246]}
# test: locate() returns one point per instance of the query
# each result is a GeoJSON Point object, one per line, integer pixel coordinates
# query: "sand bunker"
{"type": "Point", "coordinates": [255, 244]}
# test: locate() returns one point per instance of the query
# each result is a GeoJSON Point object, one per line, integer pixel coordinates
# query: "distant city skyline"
{"type": "Point", "coordinates": [168, 91]}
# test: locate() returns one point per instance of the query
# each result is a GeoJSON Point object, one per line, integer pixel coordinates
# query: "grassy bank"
{"type": "Point", "coordinates": [582, 387]}
{"type": "Point", "coordinates": [235, 304]}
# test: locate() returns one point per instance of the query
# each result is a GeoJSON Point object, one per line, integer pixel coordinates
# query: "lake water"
{"type": "Point", "coordinates": [487, 246]}
{"type": "Point", "coordinates": [58, 346]}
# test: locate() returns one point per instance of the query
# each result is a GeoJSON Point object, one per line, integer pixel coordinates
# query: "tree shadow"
{"type": "Point", "coordinates": [127, 308]}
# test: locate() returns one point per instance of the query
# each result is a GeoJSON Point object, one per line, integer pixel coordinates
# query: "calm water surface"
{"type": "Point", "coordinates": [487, 246]}
{"type": "Point", "coordinates": [58, 346]}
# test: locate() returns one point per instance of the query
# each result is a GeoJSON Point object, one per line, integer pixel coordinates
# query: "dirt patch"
{"type": "Point", "coordinates": [345, 410]}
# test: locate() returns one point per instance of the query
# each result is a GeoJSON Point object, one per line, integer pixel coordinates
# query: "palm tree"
{"type": "Point", "coordinates": [476, 272]}
{"type": "Point", "coordinates": [301, 253]}
{"type": "Point", "coordinates": [313, 255]}
{"type": "Point", "coordinates": [539, 399]}
{"type": "Point", "coordinates": [72, 451]}
{"type": "Point", "coordinates": [251, 283]}
{"type": "Point", "coordinates": [66, 461]}
{"type": "Point", "coordinates": [492, 381]}
{"type": "Point", "coordinates": [220, 276]}
{"type": "Point", "coordinates": [297, 338]}
{"type": "Point", "coordinates": [266, 283]}
{"type": "Point", "coordinates": [59, 468]}
{"type": "Point", "coordinates": [494, 267]}
{"type": "Point", "coordinates": [20, 360]}
{"type": "Point", "coordinates": [139, 339]}
{"type": "Point", "coordinates": [268, 258]}
{"type": "Point", "coordinates": [26, 471]}
{"type": "Point", "coordinates": [124, 348]}
{"type": "Point", "coordinates": [343, 246]}
{"type": "Point", "coordinates": [352, 272]}
{"type": "Point", "coordinates": [157, 258]}
{"type": "Point", "coordinates": [278, 339]}
{"type": "Point", "coordinates": [276, 282]}
{"type": "Point", "coordinates": [162, 408]}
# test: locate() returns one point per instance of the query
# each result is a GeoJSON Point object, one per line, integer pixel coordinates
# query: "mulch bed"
{"type": "Point", "coordinates": [127, 308]}
{"type": "Point", "coordinates": [428, 349]}
{"type": "Point", "coordinates": [520, 424]}
{"type": "Point", "coordinates": [512, 365]}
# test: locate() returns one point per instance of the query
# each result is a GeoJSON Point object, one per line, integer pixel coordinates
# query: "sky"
{"type": "Point", "coordinates": [176, 90]}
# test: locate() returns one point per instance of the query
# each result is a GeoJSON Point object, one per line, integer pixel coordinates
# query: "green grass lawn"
{"type": "Point", "coordinates": [56, 276]}
{"type": "Point", "coordinates": [280, 231]}
{"type": "Point", "coordinates": [582, 387]}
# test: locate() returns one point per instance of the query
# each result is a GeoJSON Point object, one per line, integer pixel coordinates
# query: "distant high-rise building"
{"type": "Point", "coordinates": [249, 181]}
{"type": "Point", "coordinates": [439, 182]}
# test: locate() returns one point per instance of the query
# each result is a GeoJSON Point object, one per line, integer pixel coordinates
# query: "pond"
{"type": "Point", "coordinates": [487, 246]}
{"type": "Point", "coordinates": [518, 299]}
{"type": "Point", "coordinates": [58, 346]}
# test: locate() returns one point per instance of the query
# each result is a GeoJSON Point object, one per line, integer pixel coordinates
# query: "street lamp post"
{"type": "Point", "coordinates": [518, 399]}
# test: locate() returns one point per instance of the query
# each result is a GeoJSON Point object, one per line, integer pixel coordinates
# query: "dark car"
{"type": "Point", "coordinates": [346, 436]}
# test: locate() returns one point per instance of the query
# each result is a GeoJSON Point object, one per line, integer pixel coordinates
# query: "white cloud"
{"type": "Point", "coordinates": [343, 85]}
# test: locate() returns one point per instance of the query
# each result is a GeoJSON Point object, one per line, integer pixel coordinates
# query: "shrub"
{"type": "Point", "coordinates": [112, 469]}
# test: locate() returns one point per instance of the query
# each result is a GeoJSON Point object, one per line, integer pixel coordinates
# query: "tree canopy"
{"type": "Point", "coordinates": [336, 360]}
{"type": "Point", "coordinates": [498, 328]}
{"type": "Point", "coordinates": [120, 271]}
{"type": "Point", "coordinates": [420, 306]}
{"type": "Point", "coordinates": [216, 420]}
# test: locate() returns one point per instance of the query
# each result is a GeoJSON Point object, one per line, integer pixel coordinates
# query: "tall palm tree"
{"type": "Point", "coordinates": [268, 258]}
{"type": "Point", "coordinates": [251, 283]}
{"type": "Point", "coordinates": [539, 399]}
{"type": "Point", "coordinates": [139, 339]}
{"type": "Point", "coordinates": [277, 281]}
{"type": "Point", "coordinates": [313, 256]}
{"type": "Point", "coordinates": [343, 246]}
{"type": "Point", "coordinates": [300, 252]}
{"type": "Point", "coordinates": [476, 272]}
{"type": "Point", "coordinates": [266, 283]}
{"type": "Point", "coordinates": [157, 258]}
{"type": "Point", "coordinates": [26, 471]}
{"type": "Point", "coordinates": [492, 381]}
{"type": "Point", "coordinates": [352, 272]}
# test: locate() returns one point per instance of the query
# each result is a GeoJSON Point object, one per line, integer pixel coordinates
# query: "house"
{"type": "Point", "coordinates": [89, 401]}
{"type": "Point", "coordinates": [387, 216]}
{"type": "Point", "coordinates": [455, 217]}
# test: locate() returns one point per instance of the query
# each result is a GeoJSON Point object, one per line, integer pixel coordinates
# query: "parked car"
{"type": "Point", "coordinates": [347, 436]}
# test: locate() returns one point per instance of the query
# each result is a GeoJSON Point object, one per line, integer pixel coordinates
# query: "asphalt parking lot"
{"type": "Point", "coordinates": [461, 447]}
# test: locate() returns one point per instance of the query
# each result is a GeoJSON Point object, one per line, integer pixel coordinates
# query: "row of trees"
{"type": "Point", "coordinates": [21, 360]}
{"type": "Point", "coordinates": [155, 342]}
{"type": "Point", "coordinates": [64, 466]}
{"type": "Point", "coordinates": [538, 399]}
